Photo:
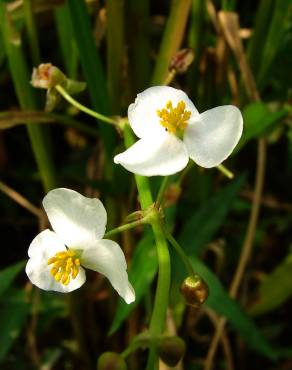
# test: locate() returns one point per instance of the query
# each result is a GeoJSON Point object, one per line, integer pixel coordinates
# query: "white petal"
{"type": "Point", "coordinates": [76, 219]}
{"type": "Point", "coordinates": [46, 245]}
{"type": "Point", "coordinates": [38, 272]}
{"type": "Point", "coordinates": [107, 257]}
{"type": "Point", "coordinates": [155, 157]}
{"type": "Point", "coordinates": [211, 138]}
{"type": "Point", "coordinates": [143, 116]}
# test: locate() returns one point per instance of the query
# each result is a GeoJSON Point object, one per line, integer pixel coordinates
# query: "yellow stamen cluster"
{"type": "Point", "coordinates": [65, 266]}
{"type": "Point", "coordinates": [174, 119]}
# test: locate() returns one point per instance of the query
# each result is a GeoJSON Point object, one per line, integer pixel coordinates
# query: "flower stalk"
{"type": "Point", "coordinates": [82, 108]}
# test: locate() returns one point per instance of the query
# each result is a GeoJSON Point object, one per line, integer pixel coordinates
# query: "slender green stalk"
{"type": "Point", "coordinates": [20, 77]}
{"type": "Point", "coordinates": [225, 171]}
{"type": "Point", "coordinates": [161, 192]}
{"type": "Point", "coordinates": [125, 227]}
{"type": "Point", "coordinates": [31, 31]}
{"type": "Point", "coordinates": [172, 38]}
{"type": "Point", "coordinates": [157, 321]}
{"type": "Point", "coordinates": [180, 251]}
{"type": "Point", "coordinates": [81, 107]}
{"type": "Point", "coordinates": [162, 292]}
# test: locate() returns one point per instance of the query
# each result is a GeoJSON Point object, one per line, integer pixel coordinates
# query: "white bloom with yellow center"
{"type": "Point", "coordinates": [171, 131]}
{"type": "Point", "coordinates": [58, 258]}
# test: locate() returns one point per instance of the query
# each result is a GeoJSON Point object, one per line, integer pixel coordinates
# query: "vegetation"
{"type": "Point", "coordinates": [227, 228]}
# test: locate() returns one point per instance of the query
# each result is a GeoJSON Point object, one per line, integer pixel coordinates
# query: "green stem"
{"type": "Point", "coordinates": [225, 171]}
{"type": "Point", "coordinates": [161, 192]}
{"type": "Point", "coordinates": [157, 321]}
{"type": "Point", "coordinates": [125, 227]}
{"type": "Point", "coordinates": [81, 107]}
{"type": "Point", "coordinates": [162, 292]}
{"type": "Point", "coordinates": [180, 251]}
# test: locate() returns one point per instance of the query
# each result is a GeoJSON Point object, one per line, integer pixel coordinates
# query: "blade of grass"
{"type": "Point", "coordinates": [274, 38]}
{"type": "Point", "coordinates": [172, 38]}
{"type": "Point", "coordinates": [20, 77]}
{"type": "Point", "coordinates": [91, 65]}
{"type": "Point", "coordinates": [115, 51]}
{"type": "Point", "coordinates": [66, 39]}
{"type": "Point", "coordinates": [139, 45]}
{"type": "Point", "coordinates": [31, 31]}
{"type": "Point", "coordinates": [255, 46]}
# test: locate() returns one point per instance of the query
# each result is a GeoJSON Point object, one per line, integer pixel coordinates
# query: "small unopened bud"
{"type": "Point", "coordinates": [171, 350]}
{"type": "Point", "coordinates": [46, 76]}
{"type": "Point", "coordinates": [111, 361]}
{"type": "Point", "coordinates": [195, 290]}
{"type": "Point", "coordinates": [181, 61]}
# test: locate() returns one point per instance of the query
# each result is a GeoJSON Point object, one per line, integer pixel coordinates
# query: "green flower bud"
{"type": "Point", "coordinates": [195, 290]}
{"type": "Point", "coordinates": [171, 350]}
{"type": "Point", "coordinates": [111, 361]}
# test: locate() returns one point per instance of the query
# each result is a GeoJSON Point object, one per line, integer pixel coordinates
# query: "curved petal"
{"type": "Point", "coordinates": [107, 257]}
{"type": "Point", "coordinates": [76, 219]}
{"type": "Point", "coordinates": [211, 138]}
{"type": "Point", "coordinates": [143, 116]}
{"type": "Point", "coordinates": [155, 157]}
{"type": "Point", "coordinates": [46, 245]}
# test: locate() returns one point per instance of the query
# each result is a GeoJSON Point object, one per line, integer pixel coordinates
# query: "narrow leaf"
{"type": "Point", "coordinates": [202, 225]}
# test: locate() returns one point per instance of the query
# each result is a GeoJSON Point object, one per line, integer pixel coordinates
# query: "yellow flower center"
{"type": "Point", "coordinates": [65, 266]}
{"type": "Point", "coordinates": [174, 120]}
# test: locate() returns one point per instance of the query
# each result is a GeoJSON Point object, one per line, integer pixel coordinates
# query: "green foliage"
{"type": "Point", "coordinates": [275, 289]}
{"type": "Point", "coordinates": [119, 48]}
{"type": "Point", "coordinates": [14, 308]}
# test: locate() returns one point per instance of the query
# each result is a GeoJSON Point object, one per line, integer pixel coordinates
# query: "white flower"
{"type": "Point", "coordinates": [58, 258]}
{"type": "Point", "coordinates": [171, 131]}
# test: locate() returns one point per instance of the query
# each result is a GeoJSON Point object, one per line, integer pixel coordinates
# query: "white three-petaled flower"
{"type": "Point", "coordinates": [171, 131]}
{"type": "Point", "coordinates": [58, 258]}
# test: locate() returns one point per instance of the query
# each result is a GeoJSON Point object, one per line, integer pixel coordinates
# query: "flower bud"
{"type": "Point", "coordinates": [181, 61]}
{"type": "Point", "coordinates": [195, 290]}
{"type": "Point", "coordinates": [111, 361]}
{"type": "Point", "coordinates": [171, 350]}
{"type": "Point", "coordinates": [46, 76]}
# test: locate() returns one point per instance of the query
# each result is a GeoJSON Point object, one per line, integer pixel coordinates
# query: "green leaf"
{"type": "Point", "coordinates": [141, 273]}
{"type": "Point", "coordinates": [8, 274]}
{"type": "Point", "coordinates": [13, 315]}
{"type": "Point", "coordinates": [275, 289]}
{"type": "Point", "coordinates": [202, 225]}
{"type": "Point", "coordinates": [257, 119]}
